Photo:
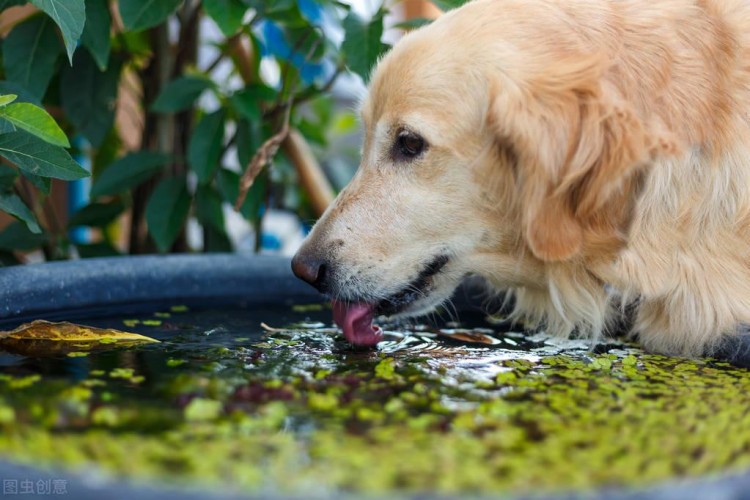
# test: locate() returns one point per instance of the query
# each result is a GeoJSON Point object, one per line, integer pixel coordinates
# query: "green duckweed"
{"type": "Point", "coordinates": [298, 411]}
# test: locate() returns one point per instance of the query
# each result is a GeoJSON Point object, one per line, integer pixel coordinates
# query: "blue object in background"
{"type": "Point", "coordinates": [276, 44]}
{"type": "Point", "coordinates": [78, 190]}
{"type": "Point", "coordinates": [311, 10]}
{"type": "Point", "coordinates": [270, 242]}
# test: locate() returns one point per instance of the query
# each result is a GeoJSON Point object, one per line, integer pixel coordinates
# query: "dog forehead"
{"type": "Point", "coordinates": [431, 99]}
{"type": "Point", "coordinates": [414, 76]}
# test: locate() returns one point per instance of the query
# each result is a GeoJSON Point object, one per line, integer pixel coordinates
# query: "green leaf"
{"type": "Point", "coordinates": [38, 157]}
{"type": "Point", "coordinates": [36, 121]}
{"type": "Point", "coordinates": [216, 241]}
{"type": "Point", "coordinates": [228, 183]}
{"type": "Point", "coordinates": [44, 184]}
{"type": "Point", "coordinates": [22, 95]}
{"type": "Point", "coordinates": [8, 177]}
{"type": "Point", "coordinates": [97, 214]}
{"type": "Point", "coordinates": [362, 45]}
{"type": "Point", "coordinates": [249, 139]}
{"type": "Point", "coordinates": [414, 23]}
{"type": "Point", "coordinates": [101, 249]}
{"type": "Point", "coordinates": [445, 5]}
{"type": "Point", "coordinates": [30, 53]}
{"type": "Point", "coordinates": [7, 99]}
{"type": "Point", "coordinates": [246, 102]}
{"type": "Point", "coordinates": [202, 409]}
{"type": "Point", "coordinates": [16, 236]}
{"type": "Point", "coordinates": [208, 208]}
{"type": "Point", "coordinates": [12, 204]}
{"type": "Point", "coordinates": [245, 105]}
{"type": "Point", "coordinates": [8, 258]}
{"type": "Point", "coordinates": [206, 142]}
{"type": "Point", "coordinates": [227, 14]}
{"type": "Point", "coordinates": [6, 126]}
{"type": "Point", "coordinates": [128, 171]}
{"type": "Point", "coordinates": [167, 210]}
{"type": "Point", "coordinates": [135, 43]}
{"type": "Point", "coordinates": [5, 4]}
{"type": "Point", "coordinates": [88, 96]}
{"type": "Point", "coordinates": [313, 132]}
{"type": "Point", "coordinates": [95, 35]}
{"type": "Point", "coordinates": [179, 94]}
{"type": "Point", "coordinates": [70, 16]}
{"type": "Point", "coordinates": [141, 14]}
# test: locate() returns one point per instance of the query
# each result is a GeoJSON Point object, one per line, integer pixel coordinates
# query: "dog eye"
{"type": "Point", "coordinates": [409, 145]}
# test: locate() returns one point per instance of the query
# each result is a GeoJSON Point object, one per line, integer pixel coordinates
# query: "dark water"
{"type": "Point", "coordinates": [292, 341]}
{"type": "Point", "coordinates": [465, 403]}
{"type": "Point", "coordinates": [296, 342]}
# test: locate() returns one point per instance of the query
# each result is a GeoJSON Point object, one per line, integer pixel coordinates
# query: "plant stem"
{"type": "Point", "coordinates": [307, 94]}
{"type": "Point", "coordinates": [26, 193]}
{"type": "Point", "coordinates": [155, 136]}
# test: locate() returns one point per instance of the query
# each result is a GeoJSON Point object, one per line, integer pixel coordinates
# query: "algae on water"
{"type": "Point", "coordinates": [300, 412]}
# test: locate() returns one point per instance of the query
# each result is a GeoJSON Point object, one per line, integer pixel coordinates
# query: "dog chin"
{"type": "Point", "coordinates": [425, 304]}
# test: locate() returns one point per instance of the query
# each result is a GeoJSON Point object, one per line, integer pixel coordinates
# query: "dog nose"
{"type": "Point", "coordinates": [310, 269]}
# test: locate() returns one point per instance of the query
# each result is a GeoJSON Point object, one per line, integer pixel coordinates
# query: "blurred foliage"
{"type": "Point", "coordinates": [82, 61]}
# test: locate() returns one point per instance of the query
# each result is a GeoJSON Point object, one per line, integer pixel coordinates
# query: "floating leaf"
{"type": "Point", "coordinates": [202, 409]}
{"type": "Point", "coordinates": [44, 338]}
{"type": "Point", "coordinates": [468, 336]}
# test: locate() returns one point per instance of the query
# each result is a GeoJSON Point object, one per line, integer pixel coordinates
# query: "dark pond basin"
{"type": "Point", "coordinates": [251, 391]}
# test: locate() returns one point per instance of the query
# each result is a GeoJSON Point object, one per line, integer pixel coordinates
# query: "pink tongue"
{"type": "Point", "coordinates": [356, 321]}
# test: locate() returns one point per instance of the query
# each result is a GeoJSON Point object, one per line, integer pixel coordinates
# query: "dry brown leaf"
{"type": "Point", "coordinates": [44, 338]}
{"type": "Point", "coordinates": [470, 336]}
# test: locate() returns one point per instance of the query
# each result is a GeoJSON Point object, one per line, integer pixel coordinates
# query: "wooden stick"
{"type": "Point", "coordinates": [310, 173]}
{"type": "Point", "coordinates": [295, 146]}
{"type": "Point", "coordinates": [262, 157]}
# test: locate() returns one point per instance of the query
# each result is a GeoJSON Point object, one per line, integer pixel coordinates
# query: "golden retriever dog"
{"type": "Point", "coordinates": [586, 156]}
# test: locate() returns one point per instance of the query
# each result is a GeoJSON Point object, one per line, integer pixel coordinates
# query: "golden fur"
{"type": "Point", "coordinates": [583, 154]}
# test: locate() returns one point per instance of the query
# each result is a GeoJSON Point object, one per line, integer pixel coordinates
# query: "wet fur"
{"type": "Point", "coordinates": [586, 155]}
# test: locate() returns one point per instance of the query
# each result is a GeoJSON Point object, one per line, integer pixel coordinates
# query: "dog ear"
{"type": "Point", "coordinates": [579, 151]}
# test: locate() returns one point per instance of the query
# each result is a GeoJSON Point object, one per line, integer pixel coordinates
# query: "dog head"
{"type": "Point", "coordinates": [493, 145]}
